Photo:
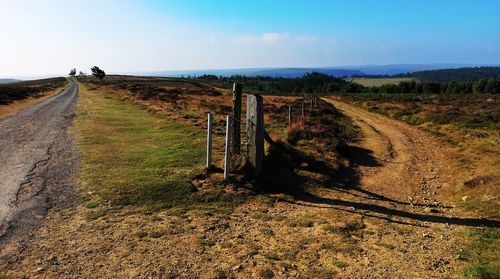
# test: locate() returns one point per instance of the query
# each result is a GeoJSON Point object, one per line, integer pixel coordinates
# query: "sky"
{"type": "Point", "coordinates": [49, 37]}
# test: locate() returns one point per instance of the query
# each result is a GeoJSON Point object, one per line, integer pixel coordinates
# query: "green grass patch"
{"type": "Point", "coordinates": [92, 204]}
{"type": "Point", "coordinates": [94, 215]}
{"type": "Point", "coordinates": [482, 254]}
{"type": "Point", "coordinates": [133, 157]}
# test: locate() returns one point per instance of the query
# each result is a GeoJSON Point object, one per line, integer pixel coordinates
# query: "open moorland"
{"type": "Point", "coordinates": [345, 191]}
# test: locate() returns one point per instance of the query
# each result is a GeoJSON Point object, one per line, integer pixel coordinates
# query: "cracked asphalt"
{"type": "Point", "coordinates": [37, 161]}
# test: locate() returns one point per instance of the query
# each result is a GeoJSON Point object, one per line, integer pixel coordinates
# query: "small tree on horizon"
{"type": "Point", "coordinates": [72, 72]}
{"type": "Point", "coordinates": [98, 73]}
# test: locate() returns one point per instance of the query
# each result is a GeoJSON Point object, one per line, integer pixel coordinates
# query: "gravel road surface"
{"type": "Point", "coordinates": [37, 160]}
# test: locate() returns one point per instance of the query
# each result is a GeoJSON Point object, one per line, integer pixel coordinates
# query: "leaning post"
{"type": "Point", "coordinates": [237, 91]}
{"type": "Point", "coordinates": [227, 156]}
{"type": "Point", "coordinates": [209, 142]}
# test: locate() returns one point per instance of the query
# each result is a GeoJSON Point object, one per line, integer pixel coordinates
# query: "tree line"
{"type": "Point", "coordinates": [96, 72]}
{"type": "Point", "coordinates": [309, 83]}
{"type": "Point", "coordinates": [320, 83]}
{"type": "Point", "coordinates": [458, 75]}
{"type": "Point", "coordinates": [491, 86]}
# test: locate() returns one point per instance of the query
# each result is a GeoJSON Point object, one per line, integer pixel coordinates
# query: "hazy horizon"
{"type": "Point", "coordinates": [47, 38]}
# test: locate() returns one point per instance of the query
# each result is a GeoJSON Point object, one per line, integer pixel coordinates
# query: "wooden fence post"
{"type": "Point", "coordinates": [303, 109]}
{"type": "Point", "coordinates": [209, 142]}
{"type": "Point", "coordinates": [255, 133]}
{"type": "Point", "coordinates": [227, 156]}
{"type": "Point", "coordinates": [289, 115]}
{"type": "Point", "coordinates": [237, 91]}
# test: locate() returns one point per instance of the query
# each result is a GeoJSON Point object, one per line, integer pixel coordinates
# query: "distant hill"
{"type": "Point", "coordinates": [461, 74]}
{"type": "Point", "coordinates": [8, 80]}
{"type": "Point", "coordinates": [269, 72]}
{"type": "Point", "coordinates": [339, 71]}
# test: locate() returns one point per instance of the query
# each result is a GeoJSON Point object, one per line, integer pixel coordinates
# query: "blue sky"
{"type": "Point", "coordinates": [51, 36]}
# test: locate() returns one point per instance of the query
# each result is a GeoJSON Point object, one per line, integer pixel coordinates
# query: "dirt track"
{"type": "Point", "coordinates": [36, 161]}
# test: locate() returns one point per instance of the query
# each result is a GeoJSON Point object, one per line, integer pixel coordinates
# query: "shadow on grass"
{"type": "Point", "coordinates": [283, 165]}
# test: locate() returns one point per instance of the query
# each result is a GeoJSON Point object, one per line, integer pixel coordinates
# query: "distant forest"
{"type": "Point", "coordinates": [490, 86]}
{"type": "Point", "coordinates": [309, 83]}
{"type": "Point", "coordinates": [323, 84]}
{"type": "Point", "coordinates": [459, 75]}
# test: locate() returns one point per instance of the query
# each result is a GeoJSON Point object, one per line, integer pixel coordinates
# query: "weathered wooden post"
{"type": "Point", "coordinates": [237, 90]}
{"type": "Point", "coordinates": [209, 142]}
{"type": "Point", "coordinates": [289, 115]}
{"type": "Point", "coordinates": [303, 109]}
{"type": "Point", "coordinates": [255, 133]}
{"type": "Point", "coordinates": [227, 155]}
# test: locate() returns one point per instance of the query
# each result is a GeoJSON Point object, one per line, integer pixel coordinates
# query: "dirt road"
{"type": "Point", "coordinates": [36, 160]}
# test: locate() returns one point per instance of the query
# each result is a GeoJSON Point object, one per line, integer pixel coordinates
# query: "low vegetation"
{"type": "Point", "coordinates": [34, 88]}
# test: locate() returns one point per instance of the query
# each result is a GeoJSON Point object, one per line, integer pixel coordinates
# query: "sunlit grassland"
{"type": "Point", "coordinates": [380, 81]}
{"type": "Point", "coordinates": [482, 254]}
{"type": "Point", "coordinates": [132, 157]}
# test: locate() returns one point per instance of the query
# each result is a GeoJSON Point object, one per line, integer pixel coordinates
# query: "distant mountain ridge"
{"type": "Point", "coordinates": [299, 72]}
{"type": "Point", "coordinates": [338, 71]}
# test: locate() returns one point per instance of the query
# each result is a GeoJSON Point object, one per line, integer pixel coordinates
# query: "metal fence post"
{"type": "Point", "coordinates": [209, 142]}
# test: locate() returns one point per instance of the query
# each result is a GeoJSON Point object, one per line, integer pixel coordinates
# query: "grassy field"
{"type": "Point", "coordinates": [470, 123]}
{"type": "Point", "coordinates": [379, 81]}
{"type": "Point", "coordinates": [134, 157]}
